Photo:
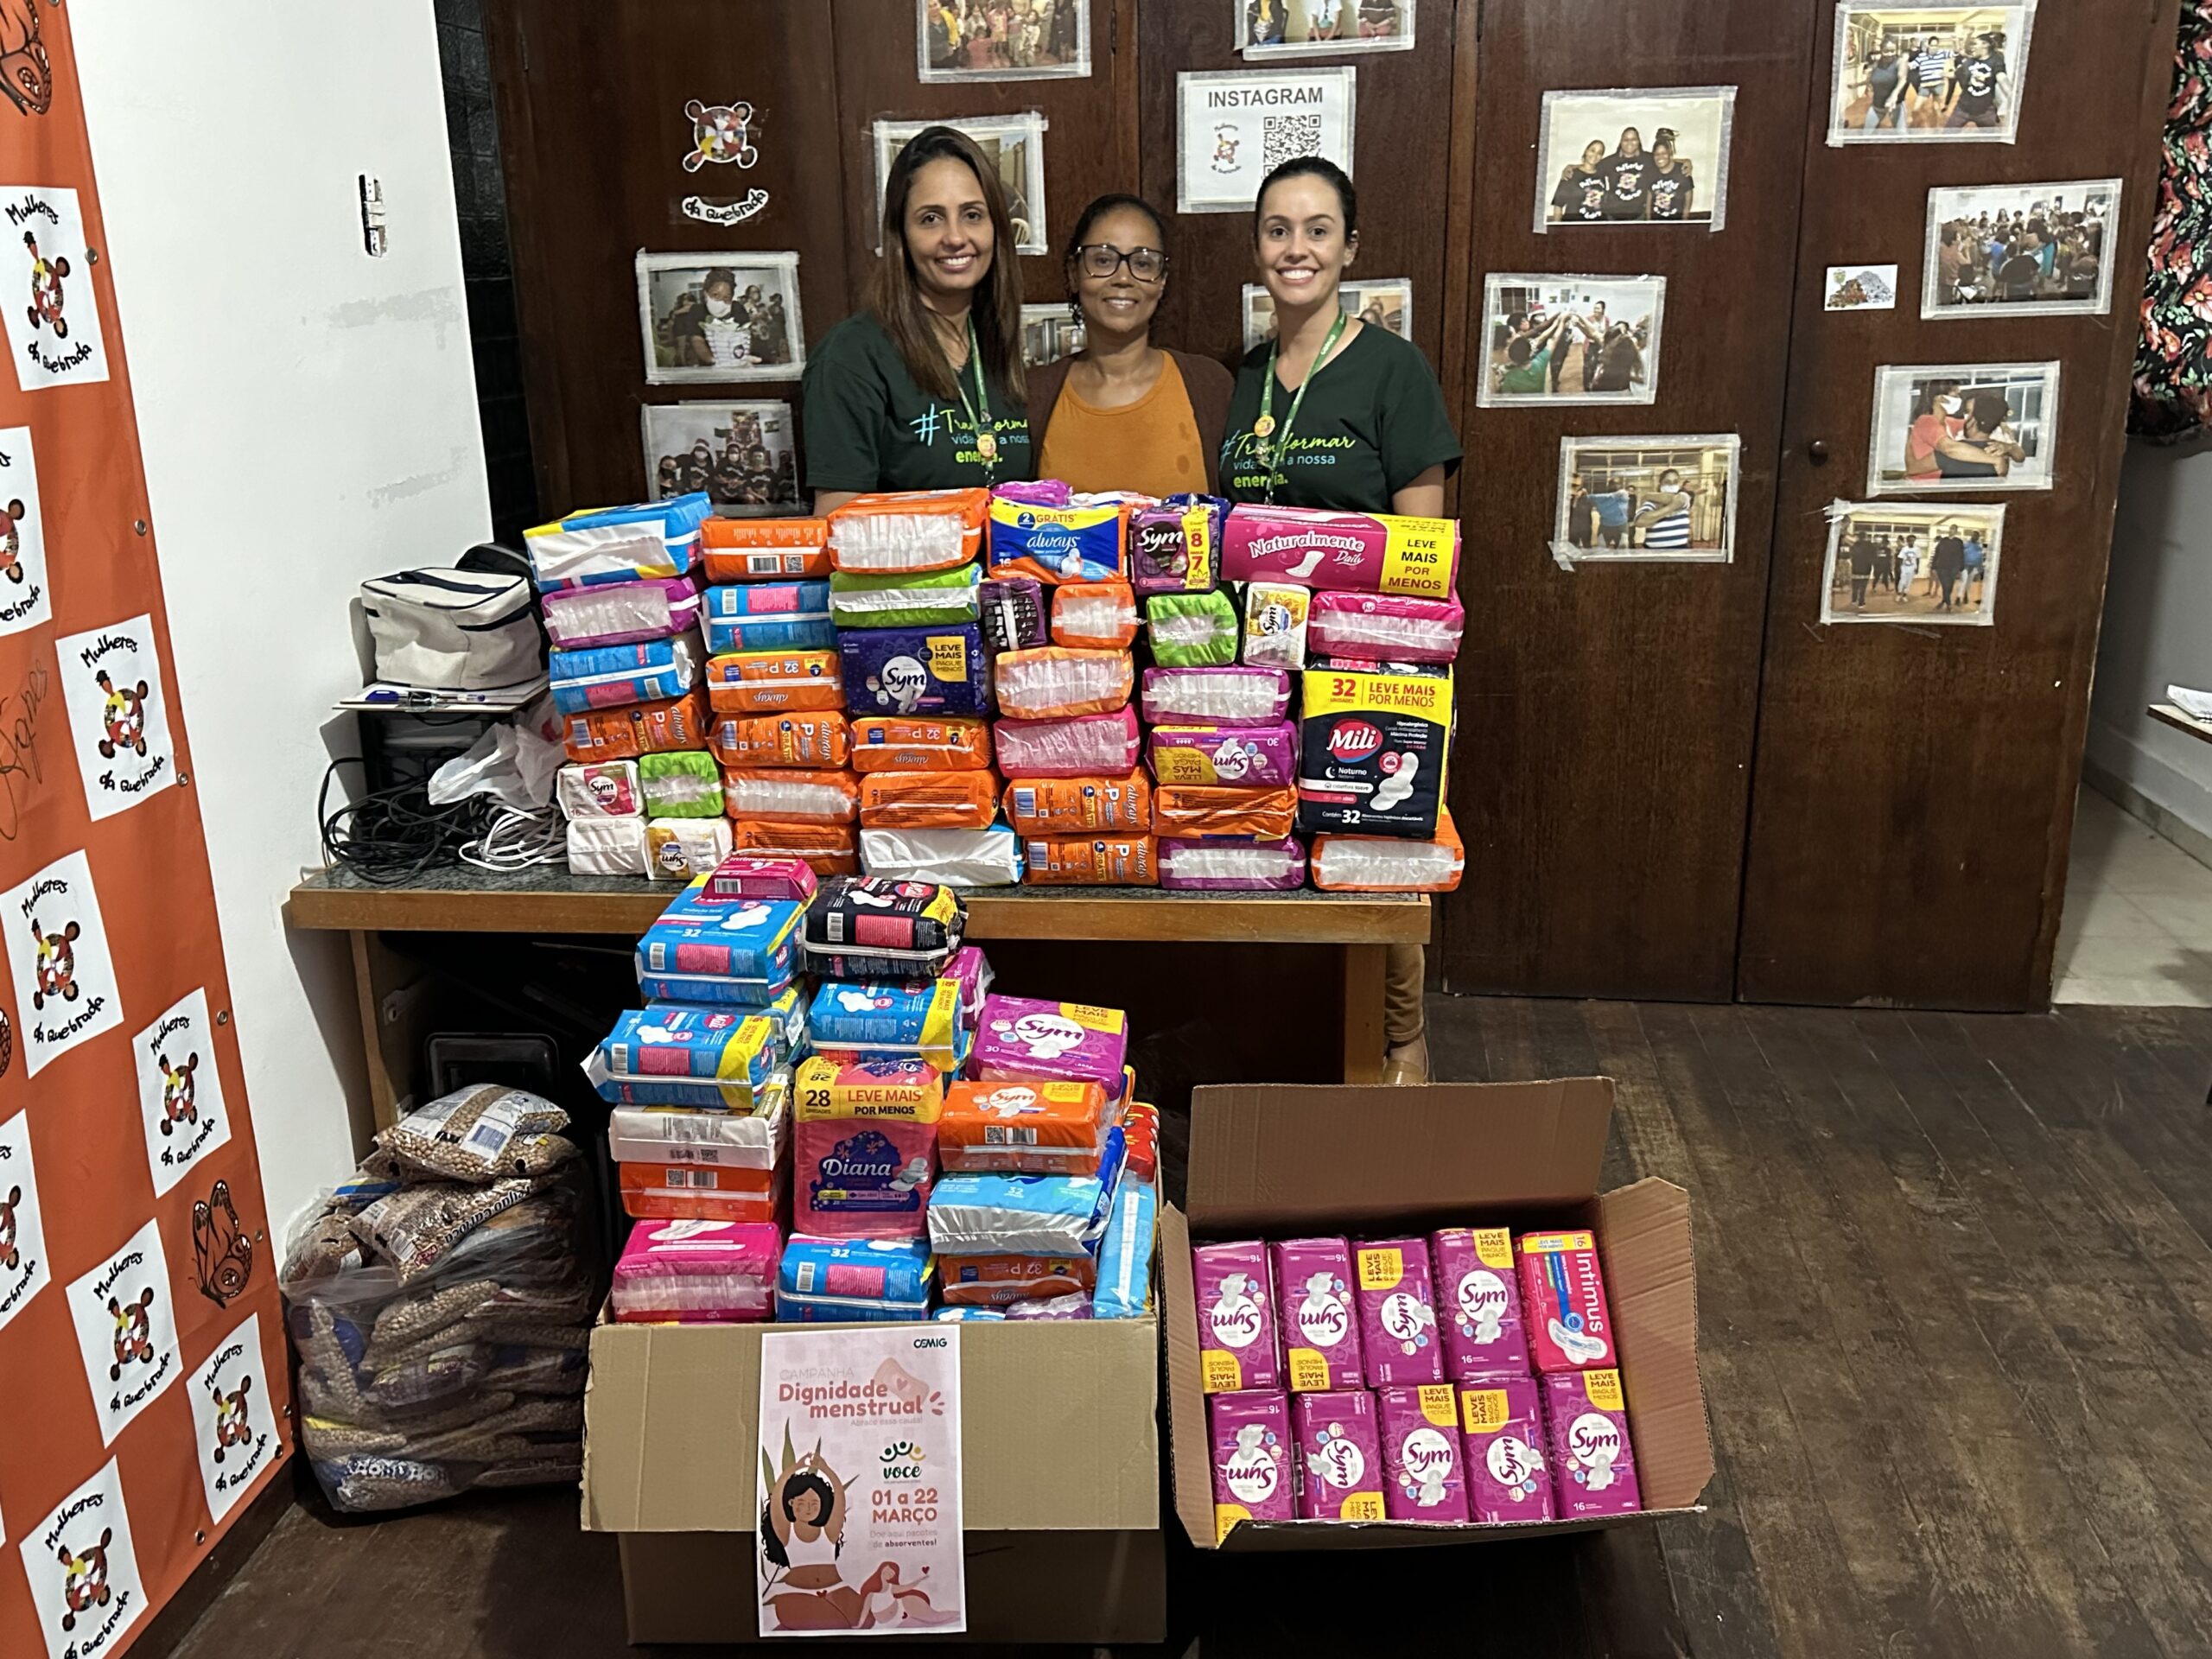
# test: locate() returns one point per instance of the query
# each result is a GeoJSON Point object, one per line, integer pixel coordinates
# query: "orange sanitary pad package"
{"type": "Point", "coordinates": [790, 794]}
{"type": "Point", "coordinates": [1041, 1127]}
{"type": "Point", "coordinates": [1102, 615]}
{"type": "Point", "coordinates": [819, 738]}
{"type": "Point", "coordinates": [764, 549]}
{"type": "Point", "coordinates": [896, 744]}
{"type": "Point", "coordinates": [1080, 806]}
{"type": "Point", "coordinates": [1054, 683]}
{"type": "Point", "coordinates": [1091, 861]}
{"type": "Point", "coordinates": [929, 800]}
{"type": "Point", "coordinates": [774, 681]}
{"type": "Point", "coordinates": [1192, 809]}
{"type": "Point", "coordinates": [908, 531]}
{"type": "Point", "coordinates": [635, 729]}
{"type": "Point", "coordinates": [827, 849]}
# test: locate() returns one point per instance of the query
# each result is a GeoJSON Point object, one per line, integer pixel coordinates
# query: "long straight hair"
{"type": "Point", "coordinates": [895, 296]}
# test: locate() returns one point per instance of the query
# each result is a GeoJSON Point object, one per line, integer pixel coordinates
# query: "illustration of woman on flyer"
{"type": "Point", "coordinates": [803, 1535]}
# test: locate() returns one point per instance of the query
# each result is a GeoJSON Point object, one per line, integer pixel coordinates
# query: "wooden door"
{"type": "Point", "coordinates": [1913, 794]}
{"type": "Point", "coordinates": [1607, 714]}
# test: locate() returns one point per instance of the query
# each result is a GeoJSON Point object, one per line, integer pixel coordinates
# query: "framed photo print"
{"type": "Point", "coordinates": [1282, 28]}
{"type": "Point", "coordinates": [1647, 499]}
{"type": "Point", "coordinates": [2020, 250]}
{"type": "Point", "coordinates": [1929, 74]}
{"type": "Point", "coordinates": [1967, 427]}
{"type": "Point", "coordinates": [1005, 40]}
{"type": "Point", "coordinates": [1570, 340]}
{"type": "Point", "coordinates": [1380, 302]}
{"type": "Point", "coordinates": [1049, 332]}
{"type": "Point", "coordinates": [744, 456]}
{"type": "Point", "coordinates": [1234, 127]}
{"type": "Point", "coordinates": [1014, 143]}
{"type": "Point", "coordinates": [706, 318]}
{"type": "Point", "coordinates": [1904, 562]}
{"type": "Point", "coordinates": [1656, 157]}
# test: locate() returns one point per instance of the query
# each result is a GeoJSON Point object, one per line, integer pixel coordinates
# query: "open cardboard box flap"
{"type": "Point", "coordinates": [1278, 1161]}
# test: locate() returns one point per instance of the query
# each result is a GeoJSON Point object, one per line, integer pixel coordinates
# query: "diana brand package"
{"type": "Point", "coordinates": [929, 800]}
{"type": "Point", "coordinates": [1125, 1251]}
{"type": "Point", "coordinates": [641, 728]}
{"type": "Point", "coordinates": [1080, 747]}
{"type": "Point", "coordinates": [696, 952]}
{"type": "Point", "coordinates": [1094, 615]}
{"type": "Point", "coordinates": [648, 1135]}
{"type": "Point", "coordinates": [686, 1057]}
{"type": "Point", "coordinates": [743, 876]}
{"type": "Point", "coordinates": [1502, 1438]}
{"type": "Point", "coordinates": [1478, 1301]}
{"type": "Point", "coordinates": [1420, 1431]}
{"type": "Point", "coordinates": [1083, 540]}
{"type": "Point", "coordinates": [898, 1088]}
{"type": "Point", "coordinates": [854, 1280]}
{"type": "Point", "coordinates": [1275, 617]}
{"type": "Point", "coordinates": [864, 1145]}
{"type": "Point", "coordinates": [606, 846]}
{"type": "Point", "coordinates": [1373, 754]}
{"type": "Point", "coordinates": [891, 743]}
{"type": "Point", "coordinates": [614, 544]}
{"type": "Point", "coordinates": [680, 784]}
{"type": "Point", "coordinates": [1242, 757]}
{"type": "Point", "coordinates": [1253, 1478]}
{"type": "Point", "coordinates": [774, 681]}
{"type": "Point", "coordinates": [1237, 1344]}
{"type": "Point", "coordinates": [1320, 1332]}
{"type": "Point", "coordinates": [927, 671]}
{"type": "Point", "coordinates": [1386, 627]}
{"type": "Point", "coordinates": [1374, 553]}
{"type": "Point", "coordinates": [1055, 683]}
{"type": "Point", "coordinates": [936, 600]}
{"type": "Point", "coordinates": [1017, 1215]}
{"type": "Point", "coordinates": [1390, 864]}
{"type": "Point", "coordinates": [989, 857]}
{"type": "Point", "coordinates": [828, 849]}
{"type": "Point", "coordinates": [907, 530]}
{"type": "Point", "coordinates": [706, 1271]}
{"type": "Point", "coordinates": [916, 1018]}
{"type": "Point", "coordinates": [1235, 864]}
{"type": "Point", "coordinates": [1081, 806]}
{"type": "Point", "coordinates": [1342, 1456]}
{"type": "Point", "coordinates": [599, 789]}
{"type": "Point", "coordinates": [1221, 697]}
{"type": "Point", "coordinates": [764, 549]}
{"type": "Point", "coordinates": [578, 618]}
{"type": "Point", "coordinates": [651, 671]}
{"type": "Point", "coordinates": [792, 794]}
{"type": "Point", "coordinates": [1563, 1299]}
{"type": "Point", "coordinates": [1191, 630]}
{"type": "Point", "coordinates": [818, 738]}
{"type": "Point", "coordinates": [1021, 1040]}
{"type": "Point", "coordinates": [1398, 1312]}
{"type": "Point", "coordinates": [875, 929]}
{"type": "Point", "coordinates": [1091, 861]}
{"type": "Point", "coordinates": [1044, 1127]}
{"type": "Point", "coordinates": [998, 1281]}
{"type": "Point", "coordinates": [1593, 1466]}
{"type": "Point", "coordinates": [677, 850]}
{"type": "Point", "coordinates": [1175, 544]}
{"type": "Point", "coordinates": [1190, 811]}
{"type": "Point", "coordinates": [1013, 612]}
{"type": "Point", "coordinates": [768, 616]}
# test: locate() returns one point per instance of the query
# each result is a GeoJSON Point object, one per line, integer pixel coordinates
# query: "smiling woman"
{"type": "Point", "coordinates": [925, 389]}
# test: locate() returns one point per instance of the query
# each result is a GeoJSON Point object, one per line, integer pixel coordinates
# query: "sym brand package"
{"type": "Point", "coordinates": [1372, 752]}
{"type": "Point", "coordinates": [915, 670]}
{"type": "Point", "coordinates": [1175, 543]}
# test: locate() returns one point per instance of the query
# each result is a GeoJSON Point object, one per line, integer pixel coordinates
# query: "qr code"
{"type": "Point", "coordinates": [1286, 137]}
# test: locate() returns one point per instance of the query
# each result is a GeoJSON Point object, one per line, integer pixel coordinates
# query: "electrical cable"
{"type": "Point", "coordinates": [393, 835]}
{"type": "Point", "coordinates": [520, 841]}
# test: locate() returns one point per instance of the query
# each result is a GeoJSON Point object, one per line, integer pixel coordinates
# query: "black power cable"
{"type": "Point", "coordinates": [393, 835]}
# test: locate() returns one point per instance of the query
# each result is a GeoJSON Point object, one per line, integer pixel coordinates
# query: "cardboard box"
{"type": "Point", "coordinates": [1278, 1161]}
{"type": "Point", "coordinates": [1059, 1448]}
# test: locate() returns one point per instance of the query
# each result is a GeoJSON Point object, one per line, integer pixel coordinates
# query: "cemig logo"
{"type": "Point", "coordinates": [1354, 739]}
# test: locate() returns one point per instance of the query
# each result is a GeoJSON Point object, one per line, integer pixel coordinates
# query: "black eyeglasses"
{"type": "Point", "coordinates": [1102, 259]}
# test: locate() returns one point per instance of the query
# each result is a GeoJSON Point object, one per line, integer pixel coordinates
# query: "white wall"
{"type": "Point", "coordinates": [309, 419]}
{"type": "Point", "coordinates": [2157, 630]}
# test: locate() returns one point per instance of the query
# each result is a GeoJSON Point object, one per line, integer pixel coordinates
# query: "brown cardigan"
{"type": "Point", "coordinates": [1210, 385]}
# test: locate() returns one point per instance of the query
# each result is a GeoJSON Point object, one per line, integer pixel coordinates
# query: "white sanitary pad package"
{"type": "Point", "coordinates": [952, 858]}
{"type": "Point", "coordinates": [645, 1134]}
{"type": "Point", "coordinates": [599, 789]}
{"type": "Point", "coordinates": [606, 846]}
{"type": "Point", "coordinates": [680, 849]}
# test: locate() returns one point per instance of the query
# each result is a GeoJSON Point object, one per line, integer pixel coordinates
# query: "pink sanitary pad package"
{"type": "Point", "coordinates": [1386, 627]}
{"type": "Point", "coordinates": [1593, 1466]}
{"type": "Point", "coordinates": [620, 612]}
{"type": "Point", "coordinates": [1478, 1301]}
{"type": "Point", "coordinates": [1320, 1332]}
{"type": "Point", "coordinates": [1340, 1457]}
{"type": "Point", "coordinates": [699, 1272]}
{"type": "Point", "coordinates": [1237, 1347]}
{"type": "Point", "coordinates": [1502, 1429]}
{"type": "Point", "coordinates": [1242, 757]}
{"type": "Point", "coordinates": [1397, 1313]}
{"type": "Point", "coordinates": [1420, 1429]}
{"type": "Point", "coordinates": [1253, 1478]}
{"type": "Point", "coordinates": [1363, 552]}
{"type": "Point", "coordinates": [1084, 745]}
{"type": "Point", "coordinates": [1022, 1040]}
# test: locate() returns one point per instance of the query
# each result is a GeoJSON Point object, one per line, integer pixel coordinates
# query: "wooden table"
{"type": "Point", "coordinates": [548, 902]}
{"type": "Point", "coordinates": [2182, 720]}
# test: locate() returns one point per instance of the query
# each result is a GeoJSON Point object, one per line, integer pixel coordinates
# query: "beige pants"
{"type": "Point", "coordinates": [1403, 1018]}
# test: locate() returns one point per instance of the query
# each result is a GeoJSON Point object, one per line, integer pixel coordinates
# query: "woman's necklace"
{"type": "Point", "coordinates": [1264, 428]}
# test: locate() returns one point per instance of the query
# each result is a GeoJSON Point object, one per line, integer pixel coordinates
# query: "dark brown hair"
{"type": "Point", "coordinates": [895, 297]}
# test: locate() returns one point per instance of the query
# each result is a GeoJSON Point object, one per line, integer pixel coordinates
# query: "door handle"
{"type": "Point", "coordinates": [1818, 451]}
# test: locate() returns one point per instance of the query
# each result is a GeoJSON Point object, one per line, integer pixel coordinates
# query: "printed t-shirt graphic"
{"type": "Point", "coordinates": [1373, 421]}
{"type": "Point", "coordinates": [870, 427]}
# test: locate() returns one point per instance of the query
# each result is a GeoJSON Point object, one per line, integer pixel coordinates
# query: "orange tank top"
{"type": "Point", "coordinates": [1151, 445]}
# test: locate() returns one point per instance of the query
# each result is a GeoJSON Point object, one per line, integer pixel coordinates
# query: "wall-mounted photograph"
{"type": "Point", "coordinates": [709, 317]}
{"type": "Point", "coordinates": [744, 456]}
{"type": "Point", "coordinates": [1929, 74]}
{"type": "Point", "coordinates": [1570, 340]}
{"type": "Point", "coordinates": [1662, 499]}
{"type": "Point", "coordinates": [1892, 562]}
{"type": "Point", "coordinates": [1384, 302]}
{"type": "Point", "coordinates": [1049, 332]}
{"type": "Point", "coordinates": [1236, 126]}
{"type": "Point", "coordinates": [1657, 157]}
{"type": "Point", "coordinates": [1002, 40]}
{"type": "Point", "coordinates": [1277, 29]}
{"type": "Point", "coordinates": [1861, 288]}
{"type": "Point", "coordinates": [2021, 249]}
{"type": "Point", "coordinates": [1966, 428]}
{"type": "Point", "coordinates": [1016, 144]}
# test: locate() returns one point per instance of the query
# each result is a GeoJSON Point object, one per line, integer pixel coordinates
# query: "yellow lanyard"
{"type": "Point", "coordinates": [1264, 428]}
{"type": "Point", "coordinates": [987, 441]}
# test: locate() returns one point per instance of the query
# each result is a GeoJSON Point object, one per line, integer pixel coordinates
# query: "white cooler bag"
{"type": "Point", "coordinates": [454, 630]}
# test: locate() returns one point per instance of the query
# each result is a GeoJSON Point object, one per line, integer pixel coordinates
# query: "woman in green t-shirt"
{"type": "Point", "coordinates": [1354, 420]}
{"type": "Point", "coordinates": [924, 390]}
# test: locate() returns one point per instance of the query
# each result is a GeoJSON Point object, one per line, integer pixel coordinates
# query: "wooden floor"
{"type": "Point", "coordinates": [1956, 1296]}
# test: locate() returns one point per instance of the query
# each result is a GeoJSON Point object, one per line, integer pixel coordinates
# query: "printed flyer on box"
{"type": "Point", "coordinates": [860, 1481]}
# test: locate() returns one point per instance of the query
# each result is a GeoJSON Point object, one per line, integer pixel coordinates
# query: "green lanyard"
{"type": "Point", "coordinates": [987, 441]}
{"type": "Point", "coordinates": [1264, 428]}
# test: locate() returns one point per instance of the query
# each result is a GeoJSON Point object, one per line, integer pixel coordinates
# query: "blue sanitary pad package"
{"type": "Point", "coordinates": [609, 677]}
{"type": "Point", "coordinates": [839, 1281]}
{"type": "Point", "coordinates": [788, 1010]}
{"type": "Point", "coordinates": [696, 952]}
{"type": "Point", "coordinates": [632, 543]}
{"type": "Point", "coordinates": [920, 1018]}
{"type": "Point", "coordinates": [915, 670]}
{"type": "Point", "coordinates": [1023, 1214]}
{"type": "Point", "coordinates": [662, 1057]}
{"type": "Point", "coordinates": [768, 616]}
{"type": "Point", "coordinates": [1124, 1288]}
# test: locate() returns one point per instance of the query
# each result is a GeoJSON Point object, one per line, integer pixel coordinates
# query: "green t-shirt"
{"type": "Point", "coordinates": [1374, 421]}
{"type": "Point", "coordinates": [870, 427]}
{"type": "Point", "coordinates": [1534, 376]}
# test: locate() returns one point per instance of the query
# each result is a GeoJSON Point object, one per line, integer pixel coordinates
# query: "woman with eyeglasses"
{"type": "Point", "coordinates": [924, 390]}
{"type": "Point", "coordinates": [1124, 414]}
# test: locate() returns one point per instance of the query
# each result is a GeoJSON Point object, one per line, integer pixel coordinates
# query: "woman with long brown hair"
{"type": "Point", "coordinates": [924, 390]}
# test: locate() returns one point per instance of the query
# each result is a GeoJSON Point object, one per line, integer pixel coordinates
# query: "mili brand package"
{"type": "Point", "coordinates": [915, 670]}
{"type": "Point", "coordinates": [1372, 750]}
{"type": "Point", "coordinates": [769, 616]}
{"type": "Point", "coordinates": [1420, 1429]}
{"type": "Point", "coordinates": [1320, 1332]}
{"type": "Point", "coordinates": [1237, 1347]}
{"type": "Point", "coordinates": [607, 677]}
{"type": "Point", "coordinates": [1593, 1466]}
{"type": "Point", "coordinates": [1375, 553]}
{"type": "Point", "coordinates": [1254, 1477]}
{"type": "Point", "coordinates": [1502, 1430]}
{"type": "Point", "coordinates": [1563, 1298]}
{"type": "Point", "coordinates": [1478, 1301]}
{"type": "Point", "coordinates": [612, 544]}
{"type": "Point", "coordinates": [1342, 1456]}
{"type": "Point", "coordinates": [1397, 1313]}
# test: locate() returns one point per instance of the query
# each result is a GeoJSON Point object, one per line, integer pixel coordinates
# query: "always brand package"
{"type": "Point", "coordinates": [907, 530]}
{"type": "Point", "coordinates": [1058, 682]}
{"type": "Point", "coordinates": [915, 670]}
{"type": "Point", "coordinates": [1094, 615]}
{"type": "Point", "coordinates": [1374, 553]}
{"type": "Point", "coordinates": [818, 738]}
{"type": "Point", "coordinates": [1091, 862]}
{"type": "Point", "coordinates": [1390, 864]}
{"type": "Point", "coordinates": [888, 743]}
{"type": "Point", "coordinates": [640, 728]}
{"type": "Point", "coordinates": [599, 789]}
{"type": "Point", "coordinates": [929, 800]}
{"type": "Point", "coordinates": [1188, 812]}
{"type": "Point", "coordinates": [453, 630]}
{"type": "Point", "coordinates": [826, 848]}
{"type": "Point", "coordinates": [792, 794]}
{"type": "Point", "coordinates": [764, 549]}
{"type": "Point", "coordinates": [1080, 806]}
{"type": "Point", "coordinates": [680, 784]}
{"type": "Point", "coordinates": [650, 670]}
{"type": "Point", "coordinates": [700, 952]}
{"type": "Point", "coordinates": [1373, 749]}
{"type": "Point", "coordinates": [1175, 544]}
{"type": "Point", "coordinates": [678, 849]}
{"type": "Point", "coordinates": [613, 544]}
{"type": "Point", "coordinates": [769, 616]}
{"type": "Point", "coordinates": [1083, 541]}
{"type": "Point", "coordinates": [774, 681]}
{"type": "Point", "coordinates": [870, 928]}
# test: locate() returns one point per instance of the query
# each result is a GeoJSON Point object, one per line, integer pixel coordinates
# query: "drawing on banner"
{"type": "Point", "coordinates": [126, 1330]}
{"type": "Point", "coordinates": [1281, 29]}
{"type": "Point", "coordinates": [1861, 288]}
{"type": "Point", "coordinates": [721, 135]}
{"type": "Point", "coordinates": [1657, 157]}
{"type": "Point", "coordinates": [57, 950]}
{"type": "Point", "coordinates": [1892, 562]}
{"type": "Point", "coordinates": [231, 1414]}
{"type": "Point", "coordinates": [112, 682]}
{"type": "Point", "coordinates": [54, 322]}
{"type": "Point", "coordinates": [708, 319]}
{"type": "Point", "coordinates": [222, 1250]}
{"type": "Point", "coordinates": [83, 1571]}
{"type": "Point", "coordinates": [1015, 144]}
{"type": "Point", "coordinates": [24, 599]}
{"type": "Point", "coordinates": [1969, 427]}
{"type": "Point", "coordinates": [1928, 75]}
{"type": "Point", "coordinates": [25, 75]}
{"type": "Point", "coordinates": [1384, 302]}
{"type": "Point", "coordinates": [860, 1485]}
{"type": "Point", "coordinates": [1646, 498]}
{"type": "Point", "coordinates": [1571, 339]}
{"type": "Point", "coordinates": [1033, 39]}
{"type": "Point", "coordinates": [1235, 127]}
{"type": "Point", "coordinates": [24, 1269]}
{"type": "Point", "coordinates": [2020, 250]}
{"type": "Point", "coordinates": [743, 455]}
{"type": "Point", "coordinates": [1049, 333]}
{"type": "Point", "coordinates": [180, 1091]}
